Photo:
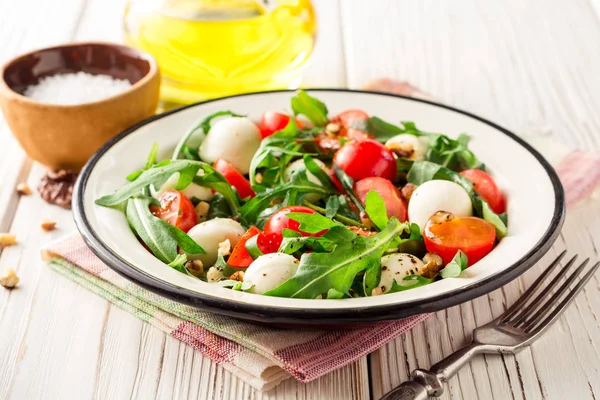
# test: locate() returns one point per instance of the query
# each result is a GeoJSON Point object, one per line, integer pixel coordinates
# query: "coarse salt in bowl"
{"type": "Point", "coordinates": [63, 103]}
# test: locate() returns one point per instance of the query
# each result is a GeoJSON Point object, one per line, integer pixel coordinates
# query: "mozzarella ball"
{"type": "Point", "coordinates": [438, 195]}
{"type": "Point", "coordinates": [235, 140]}
{"type": "Point", "coordinates": [394, 267]}
{"type": "Point", "coordinates": [209, 234]}
{"type": "Point", "coordinates": [409, 146]}
{"type": "Point", "coordinates": [192, 190]}
{"type": "Point", "coordinates": [269, 271]}
{"type": "Point", "coordinates": [298, 166]}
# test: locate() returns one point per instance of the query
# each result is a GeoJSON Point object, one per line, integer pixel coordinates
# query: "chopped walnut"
{"type": "Point", "coordinates": [402, 149]}
{"type": "Point", "coordinates": [433, 265]}
{"type": "Point", "coordinates": [237, 276]}
{"type": "Point", "coordinates": [332, 127]}
{"type": "Point", "coordinates": [214, 275]}
{"type": "Point", "coordinates": [23, 189]}
{"type": "Point", "coordinates": [258, 177]}
{"type": "Point", "coordinates": [360, 231]}
{"type": "Point", "coordinates": [7, 239]}
{"type": "Point", "coordinates": [441, 216]}
{"type": "Point", "coordinates": [48, 225]}
{"type": "Point", "coordinates": [408, 190]}
{"type": "Point", "coordinates": [434, 258]}
{"type": "Point", "coordinates": [379, 290]}
{"type": "Point", "coordinates": [224, 248]}
{"type": "Point", "coordinates": [202, 209]}
{"type": "Point", "coordinates": [9, 280]}
{"type": "Point", "coordinates": [195, 268]}
{"type": "Point", "coordinates": [57, 187]}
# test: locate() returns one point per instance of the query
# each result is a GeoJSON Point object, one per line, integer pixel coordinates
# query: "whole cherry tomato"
{"type": "Point", "coordinates": [394, 203]}
{"type": "Point", "coordinates": [366, 158]}
{"type": "Point", "coordinates": [279, 221]}
{"type": "Point", "coordinates": [445, 234]}
{"type": "Point", "coordinates": [273, 121]}
{"type": "Point", "coordinates": [485, 186]}
{"type": "Point", "coordinates": [240, 258]}
{"type": "Point", "coordinates": [176, 209]}
{"type": "Point", "coordinates": [347, 118]}
{"type": "Point", "coordinates": [235, 178]}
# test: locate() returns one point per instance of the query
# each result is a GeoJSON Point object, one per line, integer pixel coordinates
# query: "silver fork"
{"type": "Point", "coordinates": [517, 328]}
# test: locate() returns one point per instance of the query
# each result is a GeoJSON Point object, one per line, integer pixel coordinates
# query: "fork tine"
{"type": "Point", "coordinates": [535, 303]}
{"type": "Point", "coordinates": [517, 305]}
{"type": "Point", "coordinates": [525, 323]}
{"type": "Point", "coordinates": [565, 303]}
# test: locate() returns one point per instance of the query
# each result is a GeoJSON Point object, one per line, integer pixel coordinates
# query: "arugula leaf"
{"type": "Point", "coordinates": [310, 107]}
{"type": "Point", "coordinates": [214, 180]}
{"type": "Point", "coordinates": [292, 244]}
{"type": "Point", "coordinates": [347, 184]}
{"type": "Point", "coordinates": [202, 126]}
{"type": "Point", "coordinates": [312, 223]}
{"type": "Point", "coordinates": [149, 163]}
{"type": "Point", "coordinates": [154, 176]}
{"type": "Point", "coordinates": [334, 294]}
{"type": "Point", "coordinates": [218, 207]}
{"type": "Point", "coordinates": [371, 278]}
{"type": "Point", "coordinates": [409, 282]}
{"type": "Point", "coordinates": [235, 285]}
{"type": "Point", "coordinates": [161, 237]}
{"type": "Point", "coordinates": [178, 262]}
{"type": "Point", "coordinates": [450, 153]}
{"type": "Point", "coordinates": [495, 219]}
{"type": "Point", "coordinates": [332, 206]}
{"type": "Point", "coordinates": [319, 272]}
{"type": "Point", "coordinates": [375, 208]}
{"type": "Point", "coordinates": [458, 264]}
{"type": "Point", "coordinates": [299, 182]}
{"type": "Point", "coordinates": [318, 172]}
{"type": "Point", "coordinates": [404, 165]}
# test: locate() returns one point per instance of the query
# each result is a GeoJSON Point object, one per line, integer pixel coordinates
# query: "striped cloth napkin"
{"type": "Point", "coordinates": [264, 356]}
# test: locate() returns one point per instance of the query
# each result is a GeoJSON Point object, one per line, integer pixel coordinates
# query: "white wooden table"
{"type": "Point", "coordinates": [521, 63]}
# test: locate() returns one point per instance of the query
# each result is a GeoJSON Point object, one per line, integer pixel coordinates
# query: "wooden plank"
{"type": "Point", "coordinates": [505, 61]}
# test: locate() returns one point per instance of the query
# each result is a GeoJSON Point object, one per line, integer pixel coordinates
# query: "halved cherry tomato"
{"type": "Point", "coordinates": [394, 203]}
{"type": "Point", "coordinates": [446, 234]}
{"type": "Point", "coordinates": [234, 178]}
{"type": "Point", "coordinates": [364, 159]}
{"type": "Point", "coordinates": [176, 209]}
{"type": "Point", "coordinates": [279, 221]}
{"type": "Point", "coordinates": [348, 117]}
{"type": "Point", "coordinates": [273, 121]}
{"type": "Point", "coordinates": [485, 186]}
{"type": "Point", "coordinates": [240, 258]}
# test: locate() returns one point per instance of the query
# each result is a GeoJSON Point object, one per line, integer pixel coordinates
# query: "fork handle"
{"type": "Point", "coordinates": [425, 383]}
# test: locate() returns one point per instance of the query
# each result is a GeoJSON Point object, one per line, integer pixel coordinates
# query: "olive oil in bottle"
{"type": "Point", "coordinates": [214, 48]}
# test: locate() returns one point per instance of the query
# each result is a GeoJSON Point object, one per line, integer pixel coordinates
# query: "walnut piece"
{"type": "Point", "coordinates": [9, 280]}
{"type": "Point", "coordinates": [48, 225]}
{"type": "Point", "coordinates": [408, 190]}
{"type": "Point", "coordinates": [214, 275]}
{"type": "Point", "coordinates": [224, 248]}
{"type": "Point", "coordinates": [202, 211]}
{"type": "Point", "coordinates": [7, 239]}
{"type": "Point", "coordinates": [237, 276]}
{"type": "Point", "coordinates": [57, 187]}
{"type": "Point", "coordinates": [23, 189]}
{"type": "Point", "coordinates": [195, 267]}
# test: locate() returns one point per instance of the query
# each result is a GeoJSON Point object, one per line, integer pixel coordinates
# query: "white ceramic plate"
{"type": "Point", "coordinates": [535, 209]}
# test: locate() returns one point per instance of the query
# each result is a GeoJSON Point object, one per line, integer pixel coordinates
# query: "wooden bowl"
{"type": "Point", "coordinates": [66, 136]}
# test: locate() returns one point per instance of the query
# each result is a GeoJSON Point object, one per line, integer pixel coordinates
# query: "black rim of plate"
{"type": "Point", "coordinates": [280, 315]}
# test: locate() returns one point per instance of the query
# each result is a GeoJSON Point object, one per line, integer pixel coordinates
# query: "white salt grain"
{"type": "Point", "coordinates": [76, 88]}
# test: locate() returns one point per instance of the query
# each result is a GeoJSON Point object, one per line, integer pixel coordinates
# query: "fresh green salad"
{"type": "Point", "coordinates": [314, 206]}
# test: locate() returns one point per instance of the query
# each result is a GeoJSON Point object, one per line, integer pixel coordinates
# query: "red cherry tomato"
{"type": "Point", "coordinates": [357, 134]}
{"type": "Point", "coordinates": [279, 221]}
{"type": "Point", "coordinates": [240, 258]}
{"type": "Point", "coordinates": [474, 236]}
{"type": "Point", "coordinates": [273, 121]}
{"type": "Point", "coordinates": [176, 209]}
{"type": "Point", "coordinates": [485, 186]}
{"type": "Point", "coordinates": [234, 178]}
{"type": "Point", "coordinates": [348, 117]}
{"type": "Point", "coordinates": [394, 203]}
{"type": "Point", "coordinates": [364, 159]}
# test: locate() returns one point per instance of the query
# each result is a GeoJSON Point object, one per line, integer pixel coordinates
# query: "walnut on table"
{"type": "Point", "coordinates": [57, 187]}
{"type": "Point", "coordinates": [10, 280]}
{"type": "Point", "coordinates": [48, 225]}
{"type": "Point", "coordinates": [7, 239]}
{"type": "Point", "coordinates": [23, 189]}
